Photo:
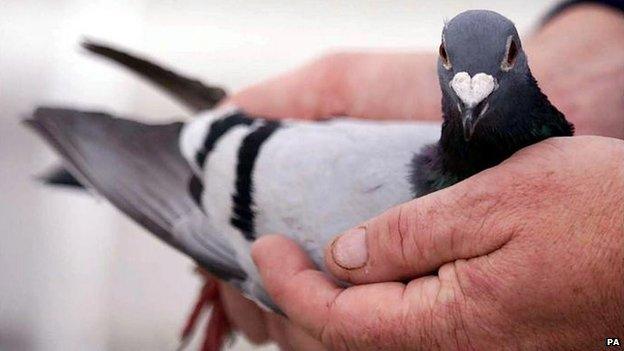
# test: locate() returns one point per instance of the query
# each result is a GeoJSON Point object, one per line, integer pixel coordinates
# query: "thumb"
{"type": "Point", "coordinates": [417, 237]}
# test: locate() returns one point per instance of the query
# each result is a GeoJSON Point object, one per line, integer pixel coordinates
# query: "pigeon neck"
{"type": "Point", "coordinates": [454, 159]}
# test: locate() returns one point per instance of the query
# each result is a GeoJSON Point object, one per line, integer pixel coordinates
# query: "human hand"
{"type": "Point", "coordinates": [362, 85]}
{"type": "Point", "coordinates": [577, 58]}
{"type": "Point", "coordinates": [259, 326]}
{"type": "Point", "coordinates": [528, 254]}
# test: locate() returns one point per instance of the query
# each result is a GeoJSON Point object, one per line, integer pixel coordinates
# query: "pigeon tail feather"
{"type": "Point", "coordinates": [191, 92]}
{"type": "Point", "coordinates": [140, 170]}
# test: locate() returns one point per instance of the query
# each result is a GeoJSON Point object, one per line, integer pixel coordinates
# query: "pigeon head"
{"type": "Point", "coordinates": [491, 103]}
{"type": "Point", "coordinates": [482, 69]}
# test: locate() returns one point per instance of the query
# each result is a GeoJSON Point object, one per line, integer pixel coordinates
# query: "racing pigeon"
{"type": "Point", "coordinates": [212, 185]}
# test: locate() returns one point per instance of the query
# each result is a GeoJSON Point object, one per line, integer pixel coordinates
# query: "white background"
{"type": "Point", "coordinates": [74, 273]}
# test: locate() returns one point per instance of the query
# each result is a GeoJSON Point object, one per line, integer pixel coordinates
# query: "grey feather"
{"type": "Point", "coordinates": [59, 176]}
{"type": "Point", "coordinates": [475, 40]}
{"type": "Point", "coordinates": [138, 168]}
{"type": "Point", "coordinates": [191, 92]}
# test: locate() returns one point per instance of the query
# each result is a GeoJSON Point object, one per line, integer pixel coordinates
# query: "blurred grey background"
{"type": "Point", "coordinates": [74, 273]}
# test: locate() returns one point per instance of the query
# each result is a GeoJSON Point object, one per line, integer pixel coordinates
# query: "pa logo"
{"type": "Point", "coordinates": [612, 342]}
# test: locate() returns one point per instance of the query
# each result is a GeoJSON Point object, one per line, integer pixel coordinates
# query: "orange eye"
{"type": "Point", "coordinates": [445, 60]}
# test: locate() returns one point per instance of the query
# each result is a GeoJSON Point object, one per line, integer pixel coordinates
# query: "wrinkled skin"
{"type": "Point", "coordinates": [556, 281]}
{"type": "Point", "coordinates": [527, 254]}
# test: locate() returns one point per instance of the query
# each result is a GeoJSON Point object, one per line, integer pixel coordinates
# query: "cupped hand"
{"type": "Point", "coordinates": [527, 254]}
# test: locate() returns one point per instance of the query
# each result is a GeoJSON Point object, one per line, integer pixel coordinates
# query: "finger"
{"type": "Point", "coordinates": [290, 277]}
{"type": "Point", "coordinates": [370, 315]}
{"type": "Point", "coordinates": [289, 336]}
{"type": "Point", "coordinates": [244, 314]}
{"type": "Point", "coordinates": [303, 93]}
{"type": "Point", "coordinates": [276, 325]}
{"type": "Point", "coordinates": [417, 237]}
{"type": "Point", "coordinates": [299, 339]}
{"type": "Point", "coordinates": [271, 99]}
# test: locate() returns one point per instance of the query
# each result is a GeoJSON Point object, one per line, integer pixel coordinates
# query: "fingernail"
{"type": "Point", "coordinates": [349, 250]}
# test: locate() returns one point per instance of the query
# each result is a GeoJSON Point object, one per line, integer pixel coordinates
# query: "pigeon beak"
{"type": "Point", "coordinates": [468, 122]}
{"type": "Point", "coordinates": [471, 116]}
{"type": "Point", "coordinates": [472, 93]}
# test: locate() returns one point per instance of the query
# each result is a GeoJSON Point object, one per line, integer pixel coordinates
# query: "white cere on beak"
{"type": "Point", "coordinates": [472, 91]}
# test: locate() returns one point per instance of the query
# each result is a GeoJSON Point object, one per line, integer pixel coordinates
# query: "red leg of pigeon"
{"type": "Point", "coordinates": [218, 326]}
{"type": "Point", "coordinates": [217, 329]}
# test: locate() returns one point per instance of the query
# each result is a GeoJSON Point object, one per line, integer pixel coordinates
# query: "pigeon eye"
{"type": "Point", "coordinates": [444, 57]}
{"type": "Point", "coordinates": [510, 57]}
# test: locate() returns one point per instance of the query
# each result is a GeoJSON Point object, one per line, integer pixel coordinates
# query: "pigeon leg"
{"type": "Point", "coordinates": [217, 329]}
{"type": "Point", "coordinates": [218, 326]}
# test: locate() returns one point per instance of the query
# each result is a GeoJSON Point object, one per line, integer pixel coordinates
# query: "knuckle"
{"type": "Point", "coordinates": [337, 333]}
{"type": "Point", "coordinates": [349, 327]}
{"type": "Point", "coordinates": [452, 312]}
{"type": "Point", "coordinates": [485, 299]}
{"type": "Point", "coordinates": [402, 230]}
{"type": "Point", "coordinates": [374, 333]}
{"type": "Point", "coordinates": [332, 333]}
